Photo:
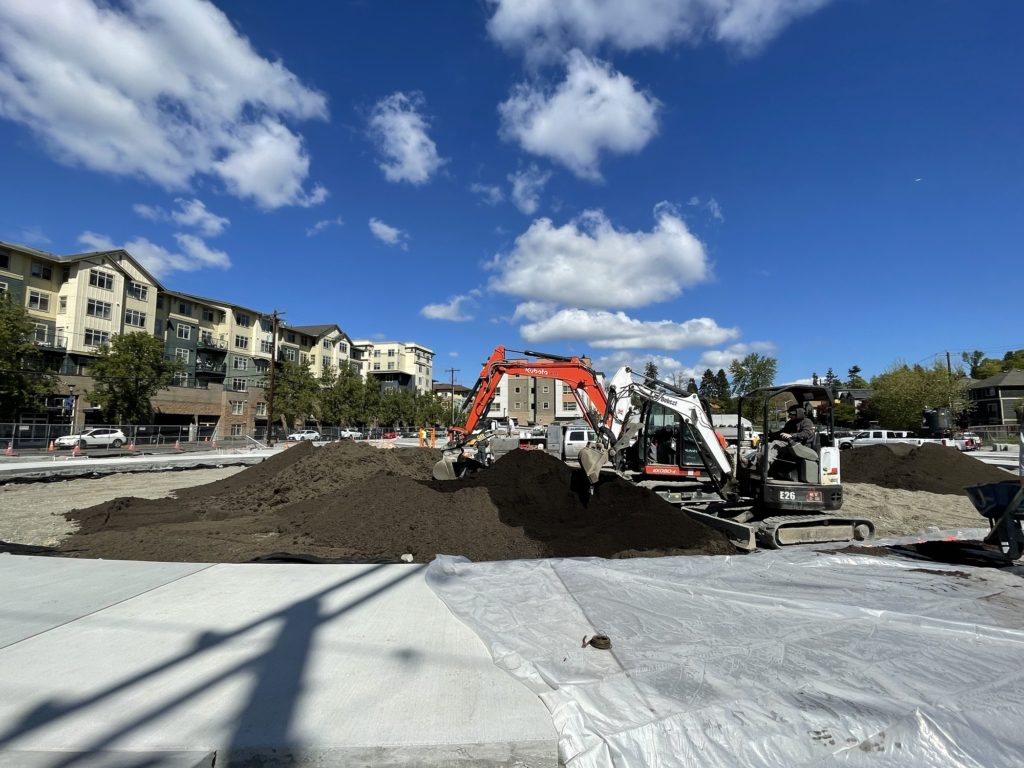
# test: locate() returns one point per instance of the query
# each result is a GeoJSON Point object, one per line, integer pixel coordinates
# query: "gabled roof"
{"type": "Point", "coordinates": [1011, 378]}
{"type": "Point", "coordinates": [83, 257]}
{"type": "Point", "coordinates": [214, 302]}
{"type": "Point", "coordinates": [316, 330]}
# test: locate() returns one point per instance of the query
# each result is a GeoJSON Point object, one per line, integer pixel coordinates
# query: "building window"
{"type": "Point", "coordinates": [376, 366]}
{"type": "Point", "coordinates": [545, 389]}
{"type": "Point", "coordinates": [243, 320]}
{"type": "Point", "coordinates": [376, 353]}
{"type": "Point", "coordinates": [240, 364]}
{"type": "Point", "coordinates": [518, 406]}
{"type": "Point", "coordinates": [137, 291]}
{"type": "Point", "coordinates": [516, 390]}
{"type": "Point", "coordinates": [5, 261]}
{"type": "Point", "coordinates": [495, 406]}
{"type": "Point", "coordinates": [207, 315]}
{"type": "Point", "coordinates": [184, 331]}
{"type": "Point", "coordinates": [304, 358]}
{"type": "Point", "coordinates": [94, 338]}
{"type": "Point", "coordinates": [97, 308]}
{"type": "Point", "coordinates": [290, 354]}
{"type": "Point", "coordinates": [545, 405]}
{"type": "Point", "coordinates": [40, 270]}
{"type": "Point", "coordinates": [241, 342]}
{"type": "Point", "coordinates": [570, 406]}
{"type": "Point", "coordinates": [261, 409]}
{"type": "Point", "coordinates": [62, 304]}
{"type": "Point", "coordinates": [182, 354]}
{"type": "Point", "coordinates": [291, 337]}
{"type": "Point", "coordinates": [38, 300]}
{"type": "Point", "coordinates": [159, 301]}
{"type": "Point", "coordinates": [180, 380]}
{"type": "Point", "coordinates": [100, 279]}
{"type": "Point", "coordinates": [326, 361]}
{"type": "Point", "coordinates": [326, 343]}
{"type": "Point", "coordinates": [236, 407]}
{"type": "Point", "coordinates": [266, 347]}
{"type": "Point", "coordinates": [391, 353]}
{"type": "Point", "coordinates": [185, 308]}
{"type": "Point", "coordinates": [134, 317]}
{"type": "Point", "coordinates": [391, 366]}
{"type": "Point", "coordinates": [238, 385]}
{"type": "Point", "coordinates": [566, 389]}
{"type": "Point", "coordinates": [343, 347]}
{"type": "Point", "coordinates": [236, 430]}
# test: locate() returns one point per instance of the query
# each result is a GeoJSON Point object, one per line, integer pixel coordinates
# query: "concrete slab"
{"type": "Point", "coordinates": [267, 664]}
{"type": "Point", "coordinates": [71, 466]}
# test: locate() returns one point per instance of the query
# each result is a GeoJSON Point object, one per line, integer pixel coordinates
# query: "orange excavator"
{"type": "Point", "coordinates": [583, 381]}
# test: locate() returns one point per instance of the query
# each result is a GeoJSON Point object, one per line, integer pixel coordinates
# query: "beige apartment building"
{"type": "Point", "coordinates": [80, 302]}
{"type": "Point", "coordinates": [397, 364]}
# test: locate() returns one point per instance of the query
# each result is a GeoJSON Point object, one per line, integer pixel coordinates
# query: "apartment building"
{"type": "Point", "coordinates": [397, 364]}
{"type": "Point", "coordinates": [79, 302]}
{"type": "Point", "coordinates": [538, 401]}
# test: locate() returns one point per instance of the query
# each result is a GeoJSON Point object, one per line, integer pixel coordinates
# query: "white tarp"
{"type": "Point", "coordinates": [791, 658]}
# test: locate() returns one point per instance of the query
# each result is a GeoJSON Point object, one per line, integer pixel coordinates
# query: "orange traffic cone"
{"type": "Point", "coordinates": [52, 447]}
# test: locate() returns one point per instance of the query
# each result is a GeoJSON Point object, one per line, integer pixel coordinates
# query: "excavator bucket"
{"type": "Point", "coordinates": [445, 470]}
{"type": "Point", "coordinates": [454, 467]}
{"type": "Point", "coordinates": [591, 460]}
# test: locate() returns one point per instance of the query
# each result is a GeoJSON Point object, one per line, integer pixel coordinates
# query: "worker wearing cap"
{"type": "Point", "coordinates": [794, 439]}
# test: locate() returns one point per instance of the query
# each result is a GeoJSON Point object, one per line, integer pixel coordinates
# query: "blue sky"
{"type": "Point", "coordinates": [684, 181]}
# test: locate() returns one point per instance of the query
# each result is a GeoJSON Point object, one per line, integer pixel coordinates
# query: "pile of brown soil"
{"type": "Point", "coordinates": [352, 501]}
{"type": "Point", "coordinates": [930, 467]}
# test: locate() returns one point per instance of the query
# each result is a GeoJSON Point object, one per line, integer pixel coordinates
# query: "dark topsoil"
{"type": "Point", "coordinates": [351, 502]}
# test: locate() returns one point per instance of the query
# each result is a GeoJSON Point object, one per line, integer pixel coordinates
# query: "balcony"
{"type": "Point", "coordinates": [215, 345]}
{"type": "Point", "coordinates": [204, 368]}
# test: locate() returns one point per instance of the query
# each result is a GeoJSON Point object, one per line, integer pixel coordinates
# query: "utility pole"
{"type": "Point", "coordinates": [453, 371]}
{"type": "Point", "coordinates": [270, 389]}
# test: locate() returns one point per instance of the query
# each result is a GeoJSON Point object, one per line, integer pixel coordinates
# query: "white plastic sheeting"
{"type": "Point", "coordinates": [791, 658]}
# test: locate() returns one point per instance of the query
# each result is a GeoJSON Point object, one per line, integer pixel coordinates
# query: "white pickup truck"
{"type": "Point", "coordinates": [888, 436]}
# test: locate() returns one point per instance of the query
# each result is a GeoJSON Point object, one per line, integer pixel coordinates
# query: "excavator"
{"type": "Point", "coordinates": [460, 457]}
{"type": "Point", "coordinates": [660, 437]}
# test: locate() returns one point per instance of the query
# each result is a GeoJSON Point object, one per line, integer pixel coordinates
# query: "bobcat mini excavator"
{"type": "Point", "coordinates": [660, 437]}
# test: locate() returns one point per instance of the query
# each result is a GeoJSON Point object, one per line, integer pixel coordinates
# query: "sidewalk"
{"type": "Point", "coordinates": [106, 663]}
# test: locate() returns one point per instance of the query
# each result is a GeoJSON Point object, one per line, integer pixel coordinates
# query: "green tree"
{"type": "Point", "coordinates": [23, 383]}
{"type": "Point", "coordinates": [650, 370]}
{"type": "Point", "coordinates": [128, 372]}
{"type": "Point", "coordinates": [853, 378]}
{"type": "Point", "coordinates": [296, 394]}
{"type": "Point", "coordinates": [902, 393]}
{"type": "Point", "coordinates": [973, 361]}
{"type": "Point", "coordinates": [831, 380]}
{"type": "Point", "coordinates": [341, 397]}
{"type": "Point", "coordinates": [721, 393]}
{"type": "Point", "coordinates": [706, 389]}
{"type": "Point", "coordinates": [752, 372]}
{"type": "Point", "coordinates": [844, 414]}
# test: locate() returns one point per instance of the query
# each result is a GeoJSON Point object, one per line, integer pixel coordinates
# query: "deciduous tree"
{"type": "Point", "coordinates": [128, 372]}
{"type": "Point", "coordinates": [903, 392]}
{"type": "Point", "coordinates": [23, 383]}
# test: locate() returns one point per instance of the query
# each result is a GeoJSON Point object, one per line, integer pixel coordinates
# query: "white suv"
{"type": "Point", "coordinates": [91, 438]}
{"type": "Point", "coordinates": [304, 434]}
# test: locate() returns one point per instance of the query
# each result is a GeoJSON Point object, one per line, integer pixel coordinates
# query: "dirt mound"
{"type": "Point", "coordinates": [930, 467]}
{"type": "Point", "coordinates": [349, 500]}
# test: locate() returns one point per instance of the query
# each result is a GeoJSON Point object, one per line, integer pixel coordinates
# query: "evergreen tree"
{"type": "Point", "coordinates": [707, 385]}
{"type": "Point", "coordinates": [853, 378]}
{"type": "Point", "coordinates": [831, 380]}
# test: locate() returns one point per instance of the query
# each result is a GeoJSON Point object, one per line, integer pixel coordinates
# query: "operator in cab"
{"type": "Point", "coordinates": [794, 439]}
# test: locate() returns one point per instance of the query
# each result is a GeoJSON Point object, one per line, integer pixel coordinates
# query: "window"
{"type": "Point", "coordinates": [517, 390]}
{"type": "Point", "coordinates": [65, 274]}
{"type": "Point", "coordinates": [205, 337]}
{"type": "Point", "coordinates": [261, 409]}
{"type": "Point", "coordinates": [207, 314]}
{"type": "Point", "coordinates": [391, 366]}
{"type": "Point", "coordinates": [240, 364]}
{"type": "Point", "coordinates": [134, 317]}
{"type": "Point", "coordinates": [181, 354]}
{"type": "Point", "coordinates": [100, 279]}
{"type": "Point", "coordinates": [304, 358]}
{"type": "Point", "coordinates": [236, 430]}
{"type": "Point", "coordinates": [391, 353]}
{"type": "Point", "coordinates": [94, 338]}
{"type": "Point", "coordinates": [180, 380]}
{"type": "Point", "coordinates": [326, 361]}
{"type": "Point", "coordinates": [569, 406]}
{"type": "Point", "coordinates": [343, 347]}
{"type": "Point", "coordinates": [566, 389]}
{"type": "Point", "coordinates": [62, 304]}
{"type": "Point", "coordinates": [326, 343]}
{"type": "Point", "coordinates": [97, 308]}
{"type": "Point", "coordinates": [495, 407]}
{"type": "Point", "coordinates": [376, 366]}
{"type": "Point", "coordinates": [241, 342]}
{"type": "Point", "coordinates": [376, 353]}
{"type": "Point", "coordinates": [243, 320]}
{"type": "Point", "coordinates": [38, 300]}
{"type": "Point", "coordinates": [184, 331]}
{"type": "Point", "coordinates": [266, 347]}
{"type": "Point", "coordinates": [544, 390]}
{"type": "Point", "coordinates": [236, 407]}
{"type": "Point", "coordinates": [545, 405]}
{"type": "Point", "coordinates": [41, 270]}
{"type": "Point", "coordinates": [291, 337]}
{"type": "Point", "coordinates": [159, 301]}
{"type": "Point", "coordinates": [518, 406]}
{"type": "Point", "coordinates": [185, 308]}
{"type": "Point", "coordinates": [290, 354]}
{"type": "Point", "coordinates": [137, 291]}
{"type": "Point", "coordinates": [238, 385]}
{"type": "Point", "coordinates": [5, 261]}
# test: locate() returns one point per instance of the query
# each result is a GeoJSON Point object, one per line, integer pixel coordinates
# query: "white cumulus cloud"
{"type": "Point", "coordinates": [527, 184]}
{"type": "Point", "coordinates": [588, 263]}
{"type": "Point", "coordinates": [452, 310]}
{"type": "Point", "coordinates": [594, 110]}
{"type": "Point", "coordinates": [544, 29]}
{"type": "Point", "coordinates": [388, 234]}
{"type": "Point", "coordinates": [491, 194]}
{"type": "Point", "coordinates": [159, 260]}
{"type": "Point", "coordinates": [189, 213]}
{"type": "Point", "coordinates": [616, 330]}
{"type": "Point", "coordinates": [399, 130]}
{"type": "Point", "coordinates": [166, 90]}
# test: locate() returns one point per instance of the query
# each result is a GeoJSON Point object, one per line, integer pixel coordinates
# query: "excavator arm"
{"type": "Point", "coordinates": [572, 371]}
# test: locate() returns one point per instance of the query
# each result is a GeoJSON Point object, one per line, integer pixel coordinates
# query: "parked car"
{"type": "Point", "coordinates": [389, 435]}
{"type": "Point", "coordinates": [93, 438]}
{"type": "Point", "coordinates": [971, 441]}
{"type": "Point", "coordinates": [304, 434]}
{"type": "Point", "coordinates": [350, 433]}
